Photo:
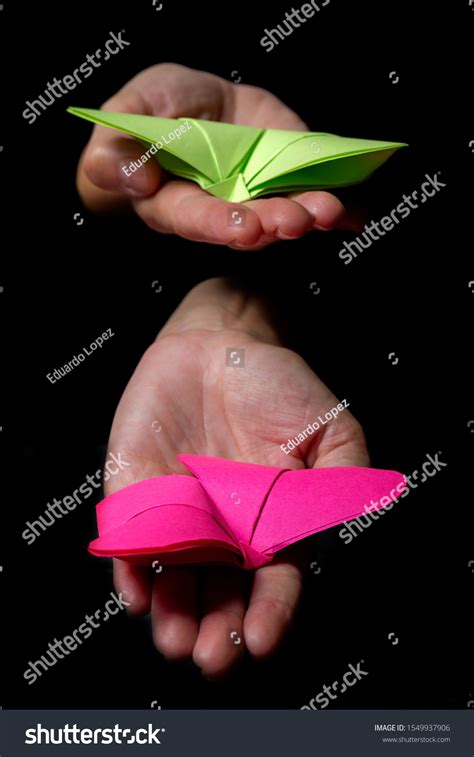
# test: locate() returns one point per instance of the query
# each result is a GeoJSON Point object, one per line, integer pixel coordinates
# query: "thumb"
{"type": "Point", "coordinates": [104, 174]}
{"type": "Point", "coordinates": [167, 90]}
{"type": "Point", "coordinates": [343, 443]}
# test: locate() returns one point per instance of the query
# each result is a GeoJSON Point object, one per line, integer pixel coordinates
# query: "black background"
{"type": "Point", "coordinates": [65, 284]}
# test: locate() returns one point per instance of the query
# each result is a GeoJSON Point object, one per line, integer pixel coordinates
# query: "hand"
{"type": "Point", "coordinates": [173, 206]}
{"type": "Point", "coordinates": [205, 407]}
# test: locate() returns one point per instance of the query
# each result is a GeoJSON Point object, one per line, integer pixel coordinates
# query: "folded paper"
{"type": "Point", "coordinates": [234, 513]}
{"type": "Point", "coordinates": [238, 163]}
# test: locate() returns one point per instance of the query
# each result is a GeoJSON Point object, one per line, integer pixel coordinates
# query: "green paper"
{"type": "Point", "coordinates": [238, 163]}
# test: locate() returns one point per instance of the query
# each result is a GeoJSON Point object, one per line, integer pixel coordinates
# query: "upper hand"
{"type": "Point", "coordinates": [170, 205]}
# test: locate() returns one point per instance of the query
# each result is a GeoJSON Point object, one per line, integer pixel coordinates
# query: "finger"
{"type": "Point", "coordinates": [135, 584]}
{"type": "Point", "coordinates": [182, 208]}
{"type": "Point", "coordinates": [166, 90]}
{"type": "Point", "coordinates": [281, 218]}
{"type": "Point", "coordinates": [174, 612]}
{"type": "Point", "coordinates": [328, 212]}
{"type": "Point", "coordinates": [117, 163]}
{"type": "Point", "coordinates": [276, 592]}
{"type": "Point", "coordinates": [255, 106]}
{"type": "Point", "coordinates": [343, 443]}
{"type": "Point", "coordinates": [135, 581]}
{"type": "Point", "coordinates": [220, 642]}
{"type": "Point", "coordinates": [339, 440]}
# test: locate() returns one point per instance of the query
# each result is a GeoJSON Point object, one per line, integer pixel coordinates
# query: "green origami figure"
{"type": "Point", "coordinates": [238, 163]}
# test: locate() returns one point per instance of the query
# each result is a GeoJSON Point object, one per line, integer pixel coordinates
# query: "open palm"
{"type": "Point", "coordinates": [188, 396]}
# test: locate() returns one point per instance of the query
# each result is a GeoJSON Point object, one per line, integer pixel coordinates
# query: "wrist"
{"type": "Point", "coordinates": [221, 304]}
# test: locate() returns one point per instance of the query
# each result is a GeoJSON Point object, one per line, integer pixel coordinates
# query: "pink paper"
{"type": "Point", "coordinates": [234, 513]}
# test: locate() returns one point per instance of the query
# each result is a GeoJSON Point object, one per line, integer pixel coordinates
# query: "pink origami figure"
{"type": "Point", "coordinates": [234, 513]}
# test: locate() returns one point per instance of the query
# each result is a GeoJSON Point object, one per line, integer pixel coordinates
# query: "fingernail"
{"type": "Point", "coordinates": [284, 237]}
{"type": "Point", "coordinates": [134, 177]}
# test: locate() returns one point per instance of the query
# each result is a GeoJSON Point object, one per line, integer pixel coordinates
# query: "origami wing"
{"type": "Point", "coordinates": [169, 515]}
{"type": "Point", "coordinates": [277, 507]}
{"type": "Point", "coordinates": [233, 512]}
{"type": "Point", "coordinates": [211, 154]}
{"type": "Point", "coordinates": [237, 163]}
{"type": "Point", "coordinates": [285, 161]}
